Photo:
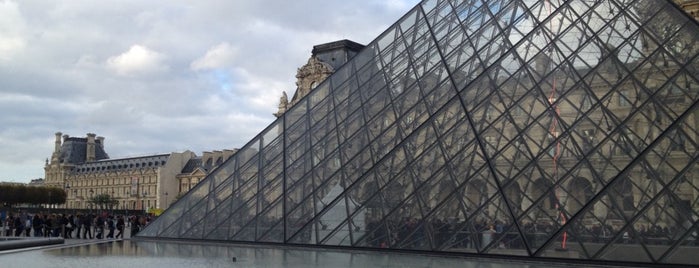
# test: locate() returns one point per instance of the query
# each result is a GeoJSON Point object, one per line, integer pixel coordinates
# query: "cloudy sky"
{"type": "Point", "coordinates": [158, 76]}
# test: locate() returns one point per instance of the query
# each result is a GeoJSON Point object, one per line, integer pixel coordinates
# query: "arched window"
{"type": "Point", "coordinates": [623, 195]}
{"type": "Point", "coordinates": [543, 186]}
{"type": "Point", "coordinates": [476, 191]}
{"type": "Point", "coordinates": [513, 193]}
{"type": "Point", "coordinates": [580, 191]}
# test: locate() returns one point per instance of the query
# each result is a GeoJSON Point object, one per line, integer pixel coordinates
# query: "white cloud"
{"type": "Point", "coordinates": [12, 26]}
{"type": "Point", "coordinates": [222, 55]}
{"type": "Point", "coordinates": [137, 61]}
{"type": "Point", "coordinates": [139, 72]}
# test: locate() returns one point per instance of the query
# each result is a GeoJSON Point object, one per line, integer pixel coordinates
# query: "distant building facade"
{"type": "Point", "coordinates": [81, 166]}
{"type": "Point", "coordinates": [198, 167]}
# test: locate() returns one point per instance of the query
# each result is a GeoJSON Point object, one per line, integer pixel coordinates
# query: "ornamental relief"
{"type": "Point", "coordinates": [314, 67]}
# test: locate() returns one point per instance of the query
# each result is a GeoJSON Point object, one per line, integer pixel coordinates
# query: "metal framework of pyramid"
{"type": "Point", "coordinates": [563, 129]}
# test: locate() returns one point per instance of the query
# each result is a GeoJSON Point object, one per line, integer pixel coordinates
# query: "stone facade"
{"type": "Point", "coordinates": [197, 168]}
{"type": "Point", "coordinates": [82, 167]}
{"type": "Point", "coordinates": [690, 6]}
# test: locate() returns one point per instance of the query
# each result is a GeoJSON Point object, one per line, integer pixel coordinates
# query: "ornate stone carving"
{"type": "Point", "coordinates": [283, 104]}
{"type": "Point", "coordinates": [309, 75]}
{"type": "Point", "coordinates": [314, 72]}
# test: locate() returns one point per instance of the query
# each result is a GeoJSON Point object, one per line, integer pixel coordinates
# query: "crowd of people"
{"type": "Point", "coordinates": [410, 233]}
{"type": "Point", "coordinates": [79, 226]}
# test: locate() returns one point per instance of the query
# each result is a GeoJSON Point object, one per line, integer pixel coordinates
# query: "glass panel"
{"type": "Point", "coordinates": [555, 129]}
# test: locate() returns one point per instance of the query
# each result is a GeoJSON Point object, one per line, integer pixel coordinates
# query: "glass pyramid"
{"type": "Point", "coordinates": [562, 129]}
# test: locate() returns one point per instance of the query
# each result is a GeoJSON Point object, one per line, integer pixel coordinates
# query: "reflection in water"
{"type": "Point", "coordinates": [172, 255]}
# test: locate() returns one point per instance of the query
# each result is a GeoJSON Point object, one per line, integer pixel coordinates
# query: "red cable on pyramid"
{"type": "Point", "coordinates": [554, 134]}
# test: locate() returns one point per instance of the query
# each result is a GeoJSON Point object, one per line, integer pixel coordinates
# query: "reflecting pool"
{"type": "Point", "coordinates": [129, 253]}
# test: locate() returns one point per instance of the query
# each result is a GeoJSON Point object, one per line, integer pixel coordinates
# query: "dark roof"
{"type": "Point", "coordinates": [350, 45]}
{"type": "Point", "coordinates": [150, 161]}
{"type": "Point", "coordinates": [192, 165]}
{"type": "Point", "coordinates": [74, 151]}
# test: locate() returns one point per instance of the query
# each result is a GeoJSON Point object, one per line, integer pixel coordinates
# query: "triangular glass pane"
{"type": "Point", "coordinates": [270, 223]}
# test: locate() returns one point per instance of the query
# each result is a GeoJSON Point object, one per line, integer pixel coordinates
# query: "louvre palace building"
{"type": "Point", "coordinates": [542, 130]}
{"type": "Point", "coordinates": [81, 166]}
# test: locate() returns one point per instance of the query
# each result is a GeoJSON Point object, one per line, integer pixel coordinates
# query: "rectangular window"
{"type": "Point", "coordinates": [624, 98]}
{"type": "Point", "coordinates": [675, 90]}
{"type": "Point", "coordinates": [517, 111]}
{"type": "Point", "coordinates": [409, 119]}
{"type": "Point", "coordinates": [336, 162]}
{"type": "Point", "coordinates": [625, 143]}
{"type": "Point", "coordinates": [588, 139]}
{"type": "Point", "coordinates": [318, 153]}
{"type": "Point", "coordinates": [677, 140]}
{"type": "Point", "coordinates": [518, 142]}
{"type": "Point", "coordinates": [519, 147]}
{"type": "Point", "coordinates": [490, 145]}
{"type": "Point", "coordinates": [586, 103]}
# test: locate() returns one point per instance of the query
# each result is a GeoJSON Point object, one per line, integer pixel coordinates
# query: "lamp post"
{"type": "Point", "coordinates": [165, 206]}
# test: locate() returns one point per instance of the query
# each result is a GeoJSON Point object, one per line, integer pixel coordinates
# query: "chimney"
{"type": "Point", "coordinates": [58, 142]}
{"type": "Point", "coordinates": [90, 154]}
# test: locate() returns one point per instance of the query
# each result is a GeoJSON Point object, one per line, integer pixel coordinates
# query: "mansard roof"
{"type": "Point", "coordinates": [74, 151]}
{"type": "Point", "coordinates": [130, 163]}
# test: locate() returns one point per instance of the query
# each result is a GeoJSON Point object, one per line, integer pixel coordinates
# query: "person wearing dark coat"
{"type": "Point", "coordinates": [37, 224]}
{"type": "Point", "coordinates": [120, 227]}
{"type": "Point", "coordinates": [19, 227]}
{"type": "Point", "coordinates": [110, 226]}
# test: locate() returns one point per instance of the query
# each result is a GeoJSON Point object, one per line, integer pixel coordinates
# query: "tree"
{"type": "Point", "coordinates": [104, 201]}
{"type": "Point", "coordinates": [21, 194]}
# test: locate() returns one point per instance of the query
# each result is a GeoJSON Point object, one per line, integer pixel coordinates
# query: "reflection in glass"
{"type": "Point", "coordinates": [563, 129]}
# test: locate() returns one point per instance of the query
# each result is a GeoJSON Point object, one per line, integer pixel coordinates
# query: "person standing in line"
{"type": "Point", "coordinates": [56, 224]}
{"type": "Point", "coordinates": [120, 227]}
{"type": "Point", "coordinates": [45, 224]}
{"type": "Point", "coordinates": [99, 227]}
{"type": "Point", "coordinates": [87, 224]}
{"type": "Point", "coordinates": [68, 220]}
{"type": "Point", "coordinates": [9, 225]}
{"type": "Point", "coordinates": [27, 225]}
{"type": "Point", "coordinates": [19, 225]}
{"type": "Point", "coordinates": [110, 226]}
{"type": "Point", "coordinates": [77, 225]}
{"type": "Point", "coordinates": [37, 223]}
{"type": "Point", "coordinates": [135, 225]}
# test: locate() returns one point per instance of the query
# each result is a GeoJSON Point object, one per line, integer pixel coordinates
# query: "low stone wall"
{"type": "Point", "coordinates": [18, 243]}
